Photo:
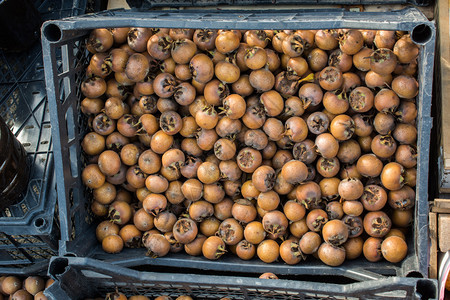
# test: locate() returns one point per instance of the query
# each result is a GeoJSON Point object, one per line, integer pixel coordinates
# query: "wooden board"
{"type": "Point", "coordinates": [441, 206]}
{"type": "Point", "coordinates": [444, 232]}
{"type": "Point", "coordinates": [118, 4]}
{"type": "Point", "coordinates": [433, 268]}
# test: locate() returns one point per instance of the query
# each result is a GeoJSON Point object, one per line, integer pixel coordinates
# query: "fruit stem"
{"type": "Point", "coordinates": [309, 78]}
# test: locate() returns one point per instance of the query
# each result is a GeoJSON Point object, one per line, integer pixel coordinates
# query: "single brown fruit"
{"type": "Point", "coordinates": [22, 295]}
{"type": "Point", "coordinates": [316, 219]}
{"type": "Point", "coordinates": [194, 248]}
{"type": "Point", "coordinates": [353, 248]}
{"type": "Point", "coordinates": [185, 230]}
{"type": "Point", "coordinates": [268, 251]}
{"type": "Point", "coordinates": [245, 250]}
{"type": "Point", "coordinates": [106, 228]}
{"type": "Point", "coordinates": [394, 249]}
{"type": "Point", "coordinates": [92, 177]}
{"type": "Point", "coordinates": [93, 143]}
{"type": "Point", "coordinates": [405, 86]}
{"type": "Point", "coordinates": [335, 232]}
{"type": "Point", "coordinates": [327, 145]}
{"type": "Point", "coordinates": [263, 178]}
{"type": "Point", "coordinates": [331, 255]}
{"type": "Point", "coordinates": [351, 189]}
{"type": "Point", "coordinates": [402, 199]}
{"type": "Point", "coordinates": [374, 197]}
{"type": "Point", "coordinates": [213, 247]}
{"type": "Point", "coordinates": [268, 275]}
{"type": "Point", "coordinates": [372, 249]}
{"type": "Point", "coordinates": [290, 252]}
{"type": "Point", "coordinates": [156, 244]}
{"type": "Point", "coordinates": [112, 244]}
{"type": "Point", "coordinates": [377, 223]}
{"type": "Point", "coordinates": [392, 176]}
{"type": "Point", "coordinates": [294, 172]}
{"type": "Point", "coordinates": [11, 284]}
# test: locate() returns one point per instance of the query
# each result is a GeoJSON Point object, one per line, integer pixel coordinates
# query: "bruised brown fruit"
{"type": "Point", "coordinates": [405, 86]}
{"type": "Point", "coordinates": [402, 199]}
{"type": "Point", "coordinates": [137, 67]}
{"type": "Point", "coordinates": [351, 189]}
{"type": "Point", "coordinates": [93, 87]}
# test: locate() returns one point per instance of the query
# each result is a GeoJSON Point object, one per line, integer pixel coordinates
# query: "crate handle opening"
{"type": "Point", "coordinates": [40, 223]}
{"type": "Point", "coordinates": [426, 289]}
{"type": "Point", "coordinates": [58, 266]}
{"type": "Point", "coordinates": [415, 274]}
{"type": "Point", "coordinates": [421, 34]}
{"type": "Point", "coordinates": [52, 32]}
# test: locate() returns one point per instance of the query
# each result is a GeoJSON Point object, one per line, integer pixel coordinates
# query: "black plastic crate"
{"type": "Point", "coordinates": [37, 269]}
{"type": "Point", "coordinates": [29, 229]}
{"type": "Point", "coordinates": [58, 9]}
{"type": "Point", "coordinates": [199, 3]}
{"type": "Point", "coordinates": [13, 66]}
{"type": "Point", "coordinates": [80, 278]}
{"type": "Point", "coordinates": [27, 65]}
{"type": "Point", "coordinates": [63, 82]}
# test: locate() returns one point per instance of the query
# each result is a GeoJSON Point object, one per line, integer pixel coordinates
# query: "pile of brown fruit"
{"type": "Point", "coordinates": [119, 296]}
{"type": "Point", "coordinates": [275, 144]}
{"type": "Point", "coordinates": [15, 288]}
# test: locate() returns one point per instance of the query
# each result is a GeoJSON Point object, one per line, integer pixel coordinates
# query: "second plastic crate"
{"type": "Point", "coordinates": [80, 278]}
